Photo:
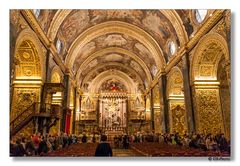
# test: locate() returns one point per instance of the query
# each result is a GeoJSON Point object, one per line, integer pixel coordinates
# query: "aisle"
{"type": "Point", "coordinates": [125, 153]}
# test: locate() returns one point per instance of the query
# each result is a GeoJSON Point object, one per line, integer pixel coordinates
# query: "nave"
{"type": "Point", "coordinates": [162, 74]}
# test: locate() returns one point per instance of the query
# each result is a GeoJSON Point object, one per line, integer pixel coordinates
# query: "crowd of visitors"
{"type": "Point", "coordinates": [216, 142]}
{"type": "Point", "coordinates": [122, 141]}
{"type": "Point", "coordinates": [38, 145]}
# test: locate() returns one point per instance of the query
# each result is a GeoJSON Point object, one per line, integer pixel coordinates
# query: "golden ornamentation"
{"type": "Point", "coordinates": [207, 55]}
{"type": "Point", "coordinates": [28, 73]}
{"type": "Point", "coordinates": [158, 120]}
{"type": "Point", "coordinates": [221, 29]}
{"type": "Point", "coordinates": [216, 16]}
{"type": "Point", "coordinates": [28, 60]}
{"type": "Point", "coordinates": [209, 116]}
{"type": "Point", "coordinates": [26, 55]}
{"type": "Point", "coordinates": [23, 98]}
{"type": "Point", "coordinates": [26, 131]}
{"type": "Point", "coordinates": [175, 82]}
{"type": "Point", "coordinates": [30, 18]}
{"type": "Point", "coordinates": [206, 70]}
{"type": "Point", "coordinates": [178, 118]}
{"type": "Point", "coordinates": [156, 96]}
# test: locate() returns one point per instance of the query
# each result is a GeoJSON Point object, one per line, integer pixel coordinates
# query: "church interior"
{"type": "Point", "coordinates": [157, 77]}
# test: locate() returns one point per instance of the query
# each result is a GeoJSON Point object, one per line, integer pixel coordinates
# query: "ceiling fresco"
{"type": "Point", "coordinates": [115, 40]}
{"type": "Point", "coordinates": [113, 85]}
{"type": "Point", "coordinates": [117, 50]}
{"type": "Point", "coordinates": [152, 21]}
{"type": "Point", "coordinates": [138, 76]}
{"type": "Point", "coordinates": [45, 18]}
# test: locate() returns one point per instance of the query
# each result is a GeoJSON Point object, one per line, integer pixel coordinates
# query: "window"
{"type": "Point", "coordinates": [154, 70]}
{"type": "Point", "coordinates": [200, 15]}
{"type": "Point", "coordinates": [36, 12]}
{"type": "Point", "coordinates": [171, 47]}
{"type": "Point", "coordinates": [59, 46]}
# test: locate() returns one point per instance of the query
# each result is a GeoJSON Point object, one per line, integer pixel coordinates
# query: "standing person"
{"type": "Point", "coordinates": [125, 142]}
{"type": "Point", "coordinates": [30, 150]}
{"type": "Point", "coordinates": [36, 142]}
{"type": "Point", "coordinates": [84, 138]}
{"type": "Point", "coordinates": [103, 149]}
{"type": "Point", "coordinates": [20, 151]}
{"type": "Point", "coordinates": [42, 146]}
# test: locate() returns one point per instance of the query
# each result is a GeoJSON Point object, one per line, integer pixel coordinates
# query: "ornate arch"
{"type": "Point", "coordinates": [87, 77]}
{"type": "Point", "coordinates": [117, 50]}
{"type": "Point", "coordinates": [207, 55]}
{"type": "Point", "coordinates": [58, 19]}
{"type": "Point", "coordinates": [177, 24]}
{"type": "Point", "coordinates": [29, 56]}
{"type": "Point", "coordinates": [125, 79]}
{"type": "Point", "coordinates": [175, 82]}
{"type": "Point", "coordinates": [56, 75]}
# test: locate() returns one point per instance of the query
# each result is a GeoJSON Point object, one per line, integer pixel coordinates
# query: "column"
{"type": "Point", "coordinates": [65, 101]}
{"type": "Point", "coordinates": [128, 107]}
{"type": "Point", "coordinates": [188, 94]}
{"type": "Point", "coordinates": [97, 109]}
{"type": "Point", "coordinates": [163, 100]}
{"type": "Point", "coordinates": [228, 72]}
{"type": "Point", "coordinates": [75, 110]}
{"type": "Point", "coordinates": [125, 110]}
{"type": "Point", "coordinates": [152, 109]}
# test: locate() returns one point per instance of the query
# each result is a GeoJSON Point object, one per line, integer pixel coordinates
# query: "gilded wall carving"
{"type": "Point", "coordinates": [209, 116]}
{"type": "Point", "coordinates": [26, 131]}
{"type": "Point", "coordinates": [175, 83]}
{"type": "Point", "coordinates": [178, 120]}
{"type": "Point", "coordinates": [22, 99]}
{"type": "Point", "coordinates": [156, 96]}
{"type": "Point", "coordinates": [207, 55]}
{"type": "Point", "coordinates": [158, 120]}
{"type": "Point", "coordinates": [27, 60]}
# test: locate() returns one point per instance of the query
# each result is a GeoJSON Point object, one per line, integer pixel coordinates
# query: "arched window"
{"type": "Point", "coordinates": [59, 45]}
{"type": "Point", "coordinates": [200, 15]}
{"type": "Point", "coordinates": [36, 12]}
{"type": "Point", "coordinates": [172, 48]}
{"type": "Point", "coordinates": [154, 70]}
